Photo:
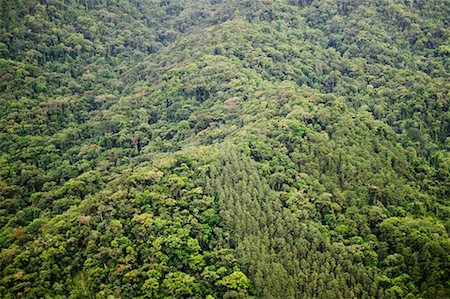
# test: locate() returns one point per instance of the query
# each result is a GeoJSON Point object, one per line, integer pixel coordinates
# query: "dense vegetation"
{"type": "Point", "coordinates": [224, 149]}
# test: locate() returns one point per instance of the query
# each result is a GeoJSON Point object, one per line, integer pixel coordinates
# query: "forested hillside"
{"type": "Point", "coordinates": [224, 149]}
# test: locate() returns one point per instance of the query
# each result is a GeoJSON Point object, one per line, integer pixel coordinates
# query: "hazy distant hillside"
{"type": "Point", "coordinates": [224, 149]}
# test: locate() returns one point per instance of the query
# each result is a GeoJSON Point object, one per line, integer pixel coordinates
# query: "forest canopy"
{"type": "Point", "coordinates": [224, 149]}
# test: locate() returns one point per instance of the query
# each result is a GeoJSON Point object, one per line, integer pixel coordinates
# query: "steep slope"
{"type": "Point", "coordinates": [275, 149]}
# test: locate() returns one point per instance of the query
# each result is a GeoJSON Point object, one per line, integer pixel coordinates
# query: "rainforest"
{"type": "Point", "coordinates": [225, 149]}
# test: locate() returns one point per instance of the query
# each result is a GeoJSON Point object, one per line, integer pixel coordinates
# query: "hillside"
{"type": "Point", "coordinates": [224, 149]}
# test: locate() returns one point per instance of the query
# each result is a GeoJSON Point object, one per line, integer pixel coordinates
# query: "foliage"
{"type": "Point", "coordinates": [224, 149]}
